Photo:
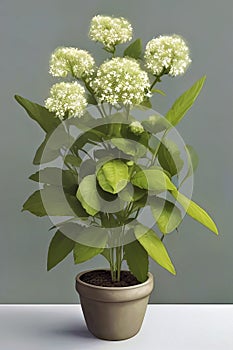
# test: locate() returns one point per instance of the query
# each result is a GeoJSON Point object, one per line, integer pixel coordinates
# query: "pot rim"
{"type": "Point", "coordinates": [78, 280]}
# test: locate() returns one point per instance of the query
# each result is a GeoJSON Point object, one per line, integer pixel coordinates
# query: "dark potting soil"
{"type": "Point", "coordinates": [103, 278]}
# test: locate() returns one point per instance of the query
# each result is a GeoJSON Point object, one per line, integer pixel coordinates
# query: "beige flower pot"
{"type": "Point", "coordinates": [114, 313]}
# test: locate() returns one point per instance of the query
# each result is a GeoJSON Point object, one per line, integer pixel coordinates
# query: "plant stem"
{"type": "Point", "coordinates": [157, 78]}
{"type": "Point", "coordinates": [119, 261]}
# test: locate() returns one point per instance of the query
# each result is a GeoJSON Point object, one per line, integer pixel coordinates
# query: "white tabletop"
{"type": "Point", "coordinates": [166, 327]}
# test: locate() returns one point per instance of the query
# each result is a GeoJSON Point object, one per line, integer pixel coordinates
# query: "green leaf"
{"type": "Point", "coordinates": [60, 246]}
{"type": "Point", "coordinates": [169, 157]}
{"type": "Point", "coordinates": [34, 205]}
{"type": "Point", "coordinates": [55, 176]}
{"type": "Point", "coordinates": [113, 176]}
{"type": "Point", "coordinates": [88, 196]}
{"type": "Point", "coordinates": [49, 156]}
{"type": "Point", "coordinates": [166, 214]}
{"type": "Point", "coordinates": [184, 102]}
{"type": "Point", "coordinates": [40, 114]}
{"type": "Point", "coordinates": [196, 212]}
{"type": "Point", "coordinates": [152, 179]}
{"type": "Point", "coordinates": [157, 91]}
{"type": "Point", "coordinates": [156, 124]}
{"type": "Point", "coordinates": [134, 50]}
{"type": "Point", "coordinates": [154, 247]}
{"type": "Point", "coordinates": [73, 160]}
{"type": "Point", "coordinates": [146, 103]}
{"type": "Point", "coordinates": [83, 253]}
{"type": "Point", "coordinates": [131, 147]}
{"type": "Point", "coordinates": [57, 203]}
{"type": "Point", "coordinates": [106, 254]}
{"type": "Point", "coordinates": [137, 260]}
{"type": "Point", "coordinates": [192, 161]}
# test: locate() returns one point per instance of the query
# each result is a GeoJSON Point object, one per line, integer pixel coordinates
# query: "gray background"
{"type": "Point", "coordinates": [30, 31]}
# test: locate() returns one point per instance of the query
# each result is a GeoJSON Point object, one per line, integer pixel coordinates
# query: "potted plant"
{"type": "Point", "coordinates": [111, 169]}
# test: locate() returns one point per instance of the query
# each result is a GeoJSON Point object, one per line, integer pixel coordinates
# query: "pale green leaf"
{"type": "Point", "coordinates": [113, 176]}
{"type": "Point", "coordinates": [154, 247]}
{"type": "Point", "coordinates": [166, 214]}
{"type": "Point", "coordinates": [152, 179]}
{"type": "Point", "coordinates": [131, 147]}
{"type": "Point", "coordinates": [195, 211]}
{"type": "Point", "coordinates": [88, 196]}
{"type": "Point", "coordinates": [184, 102]}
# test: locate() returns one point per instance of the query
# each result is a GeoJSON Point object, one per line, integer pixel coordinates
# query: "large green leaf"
{"type": "Point", "coordinates": [134, 50]}
{"type": "Point", "coordinates": [55, 176]}
{"type": "Point", "coordinates": [169, 157]}
{"type": "Point", "coordinates": [57, 203]}
{"type": "Point", "coordinates": [83, 253]}
{"type": "Point", "coordinates": [130, 147]}
{"type": "Point", "coordinates": [34, 205]}
{"type": "Point", "coordinates": [184, 102]}
{"type": "Point", "coordinates": [88, 195]}
{"type": "Point", "coordinates": [152, 179]}
{"type": "Point", "coordinates": [195, 211]}
{"type": "Point", "coordinates": [166, 214]}
{"type": "Point", "coordinates": [60, 246]}
{"type": "Point", "coordinates": [113, 176]}
{"type": "Point", "coordinates": [50, 155]}
{"type": "Point", "coordinates": [137, 260]}
{"type": "Point", "coordinates": [40, 114]}
{"type": "Point", "coordinates": [154, 247]}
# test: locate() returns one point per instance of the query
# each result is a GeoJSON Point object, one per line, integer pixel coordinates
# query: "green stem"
{"type": "Point", "coordinates": [157, 79]}
{"type": "Point", "coordinates": [119, 261]}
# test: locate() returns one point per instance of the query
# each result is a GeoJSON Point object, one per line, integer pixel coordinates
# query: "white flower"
{"type": "Point", "coordinates": [110, 31]}
{"type": "Point", "coordinates": [121, 80]}
{"type": "Point", "coordinates": [64, 60]}
{"type": "Point", "coordinates": [136, 127]}
{"type": "Point", "coordinates": [67, 99]}
{"type": "Point", "coordinates": [168, 54]}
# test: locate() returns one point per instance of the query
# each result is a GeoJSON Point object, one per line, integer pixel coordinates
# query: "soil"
{"type": "Point", "coordinates": [103, 278]}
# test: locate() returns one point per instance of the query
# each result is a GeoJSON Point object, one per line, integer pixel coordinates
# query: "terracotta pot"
{"type": "Point", "coordinates": [114, 313]}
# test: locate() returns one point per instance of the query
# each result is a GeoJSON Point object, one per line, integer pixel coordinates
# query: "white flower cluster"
{"type": "Point", "coordinates": [136, 127]}
{"type": "Point", "coordinates": [167, 53]}
{"type": "Point", "coordinates": [64, 60]}
{"type": "Point", "coordinates": [67, 99]}
{"type": "Point", "coordinates": [110, 31]}
{"type": "Point", "coordinates": [121, 80]}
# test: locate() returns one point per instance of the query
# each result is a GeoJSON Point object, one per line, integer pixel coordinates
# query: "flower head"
{"type": "Point", "coordinates": [121, 80]}
{"type": "Point", "coordinates": [136, 127]}
{"type": "Point", "coordinates": [66, 60]}
{"type": "Point", "coordinates": [167, 53]}
{"type": "Point", "coordinates": [66, 98]}
{"type": "Point", "coordinates": [110, 31]}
